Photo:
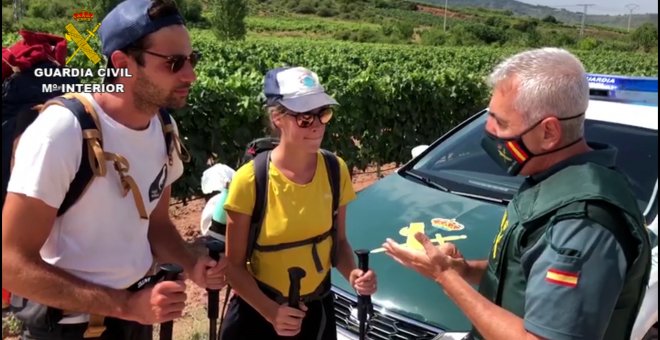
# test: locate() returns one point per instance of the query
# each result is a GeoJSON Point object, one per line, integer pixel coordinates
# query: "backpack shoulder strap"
{"type": "Point", "coordinates": [92, 146]}
{"type": "Point", "coordinates": [172, 140]}
{"type": "Point", "coordinates": [261, 165]}
{"type": "Point", "coordinates": [92, 142]}
{"type": "Point", "coordinates": [332, 167]}
{"type": "Point", "coordinates": [168, 129]}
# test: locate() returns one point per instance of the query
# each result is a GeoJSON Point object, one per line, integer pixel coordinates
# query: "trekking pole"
{"type": "Point", "coordinates": [215, 248]}
{"type": "Point", "coordinates": [295, 275]}
{"type": "Point", "coordinates": [172, 272]}
{"type": "Point", "coordinates": [364, 301]}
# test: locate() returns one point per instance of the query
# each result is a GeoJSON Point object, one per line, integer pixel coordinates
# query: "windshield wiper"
{"type": "Point", "coordinates": [426, 181]}
{"type": "Point", "coordinates": [440, 187]}
{"type": "Point", "coordinates": [481, 197]}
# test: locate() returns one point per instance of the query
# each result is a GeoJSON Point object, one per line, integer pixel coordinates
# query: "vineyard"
{"type": "Point", "coordinates": [303, 25]}
{"type": "Point", "coordinates": [392, 97]}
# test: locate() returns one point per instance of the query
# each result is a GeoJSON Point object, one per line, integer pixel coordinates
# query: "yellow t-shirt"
{"type": "Point", "coordinates": [294, 212]}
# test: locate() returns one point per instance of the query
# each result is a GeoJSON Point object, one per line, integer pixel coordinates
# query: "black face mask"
{"type": "Point", "coordinates": [511, 153]}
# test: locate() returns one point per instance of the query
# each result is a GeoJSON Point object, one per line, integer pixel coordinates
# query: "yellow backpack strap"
{"type": "Point", "coordinates": [120, 162]}
{"type": "Point", "coordinates": [127, 182]}
{"type": "Point", "coordinates": [92, 136]}
{"type": "Point", "coordinates": [97, 156]}
{"type": "Point", "coordinates": [95, 327]}
{"type": "Point", "coordinates": [92, 142]}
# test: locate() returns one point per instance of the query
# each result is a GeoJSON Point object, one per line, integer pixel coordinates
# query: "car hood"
{"type": "Point", "coordinates": [382, 210]}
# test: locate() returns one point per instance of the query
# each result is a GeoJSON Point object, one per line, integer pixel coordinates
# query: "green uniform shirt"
{"type": "Point", "coordinates": [554, 309]}
{"type": "Point", "coordinates": [558, 311]}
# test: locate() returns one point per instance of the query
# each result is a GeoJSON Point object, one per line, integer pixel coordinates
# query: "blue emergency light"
{"type": "Point", "coordinates": [627, 89]}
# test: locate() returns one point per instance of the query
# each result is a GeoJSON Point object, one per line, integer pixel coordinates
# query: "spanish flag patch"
{"type": "Point", "coordinates": [562, 278]}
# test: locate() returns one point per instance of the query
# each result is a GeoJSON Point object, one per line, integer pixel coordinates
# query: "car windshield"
{"type": "Point", "coordinates": [460, 164]}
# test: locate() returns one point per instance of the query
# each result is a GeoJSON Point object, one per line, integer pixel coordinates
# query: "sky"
{"type": "Point", "coordinates": [600, 6]}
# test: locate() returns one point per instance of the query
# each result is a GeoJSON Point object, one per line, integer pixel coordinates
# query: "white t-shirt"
{"type": "Point", "coordinates": [101, 238]}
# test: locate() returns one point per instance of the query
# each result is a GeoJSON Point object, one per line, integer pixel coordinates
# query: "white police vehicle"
{"type": "Point", "coordinates": [633, 102]}
{"type": "Point", "coordinates": [623, 112]}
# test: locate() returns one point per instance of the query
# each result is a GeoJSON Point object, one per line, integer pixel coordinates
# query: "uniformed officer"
{"type": "Point", "coordinates": [572, 255]}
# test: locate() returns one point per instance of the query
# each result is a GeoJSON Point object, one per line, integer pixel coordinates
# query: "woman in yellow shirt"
{"type": "Point", "coordinates": [299, 200]}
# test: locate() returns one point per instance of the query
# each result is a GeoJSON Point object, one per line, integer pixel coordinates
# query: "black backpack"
{"type": "Point", "coordinates": [23, 100]}
{"type": "Point", "coordinates": [259, 150]}
{"type": "Point", "coordinates": [256, 147]}
{"type": "Point", "coordinates": [261, 165]}
{"type": "Point", "coordinates": [21, 94]}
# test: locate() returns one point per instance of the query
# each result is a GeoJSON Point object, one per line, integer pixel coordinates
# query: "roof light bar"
{"type": "Point", "coordinates": [640, 90]}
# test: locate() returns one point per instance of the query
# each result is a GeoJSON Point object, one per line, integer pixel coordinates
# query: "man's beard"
{"type": "Point", "coordinates": [149, 97]}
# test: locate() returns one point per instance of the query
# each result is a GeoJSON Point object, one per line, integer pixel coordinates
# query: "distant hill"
{"type": "Point", "coordinates": [565, 16]}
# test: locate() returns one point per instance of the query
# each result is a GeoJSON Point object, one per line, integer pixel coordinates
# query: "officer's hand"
{"type": "Point", "coordinates": [209, 273]}
{"type": "Point", "coordinates": [364, 284]}
{"type": "Point", "coordinates": [447, 255]}
{"type": "Point", "coordinates": [287, 321]}
{"type": "Point", "coordinates": [430, 262]}
{"type": "Point", "coordinates": [159, 303]}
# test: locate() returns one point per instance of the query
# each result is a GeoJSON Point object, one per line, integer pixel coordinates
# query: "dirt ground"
{"type": "Point", "coordinates": [441, 12]}
{"type": "Point", "coordinates": [194, 324]}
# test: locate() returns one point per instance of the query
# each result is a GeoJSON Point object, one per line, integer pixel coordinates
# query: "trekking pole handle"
{"type": "Point", "coordinates": [363, 264]}
{"type": "Point", "coordinates": [295, 275]}
{"type": "Point", "coordinates": [215, 248]}
{"type": "Point", "coordinates": [172, 272]}
{"type": "Point", "coordinates": [363, 259]}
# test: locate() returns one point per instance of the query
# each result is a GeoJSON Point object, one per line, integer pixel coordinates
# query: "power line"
{"type": "Point", "coordinates": [604, 10]}
{"type": "Point", "coordinates": [584, 16]}
{"type": "Point", "coordinates": [631, 7]}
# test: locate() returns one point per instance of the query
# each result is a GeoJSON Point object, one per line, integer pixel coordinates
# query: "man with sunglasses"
{"type": "Point", "coordinates": [572, 256]}
{"type": "Point", "coordinates": [89, 263]}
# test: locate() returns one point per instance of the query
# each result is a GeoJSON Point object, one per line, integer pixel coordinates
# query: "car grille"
{"type": "Point", "coordinates": [381, 326]}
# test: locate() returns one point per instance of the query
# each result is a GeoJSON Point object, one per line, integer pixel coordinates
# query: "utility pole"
{"type": "Point", "coordinates": [584, 16]}
{"type": "Point", "coordinates": [631, 7]}
{"type": "Point", "coordinates": [18, 9]}
{"type": "Point", "coordinates": [444, 25]}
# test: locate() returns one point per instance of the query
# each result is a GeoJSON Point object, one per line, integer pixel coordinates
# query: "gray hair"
{"type": "Point", "coordinates": [551, 82]}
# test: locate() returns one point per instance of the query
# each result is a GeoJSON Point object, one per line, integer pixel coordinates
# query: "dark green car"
{"type": "Point", "coordinates": [454, 190]}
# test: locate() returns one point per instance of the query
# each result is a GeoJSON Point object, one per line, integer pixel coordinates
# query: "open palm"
{"type": "Point", "coordinates": [430, 262]}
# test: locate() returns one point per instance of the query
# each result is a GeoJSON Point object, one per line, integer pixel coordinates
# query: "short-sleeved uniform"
{"type": "Point", "coordinates": [554, 307]}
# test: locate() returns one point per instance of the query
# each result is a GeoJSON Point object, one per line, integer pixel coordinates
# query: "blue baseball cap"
{"type": "Point", "coordinates": [296, 88]}
{"type": "Point", "coordinates": [128, 22]}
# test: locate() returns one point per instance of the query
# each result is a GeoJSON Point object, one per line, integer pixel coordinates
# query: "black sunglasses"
{"type": "Point", "coordinates": [306, 119]}
{"type": "Point", "coordinates": [177, 61]}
